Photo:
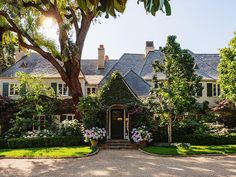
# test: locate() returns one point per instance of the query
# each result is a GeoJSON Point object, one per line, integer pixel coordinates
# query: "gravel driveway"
{"type": "Point", "coordinates": [121, 163]}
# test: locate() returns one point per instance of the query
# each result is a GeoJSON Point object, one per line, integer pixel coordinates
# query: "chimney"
{"type": "Point", "coordinates": [19, 54]}
{"type": "Point", "coordinates": [101, 57]}
{"type": "Point", "coordinates": [106, 57]}
{"type": "Point", "coordinates": [149, 47]}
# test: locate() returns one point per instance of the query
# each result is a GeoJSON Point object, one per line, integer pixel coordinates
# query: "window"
{"type": "Point", "coordinates": [62, 90]}
{"type": "Point", "coordinates": [67, 117]}
{"type": "Point", "coordinates": [91, 90]}
{"type": "Point", "coordinates": [13, 89]}
{"type": "Point", "coordinates": [39, 123]}
{"type": "Point", "coordinates": [213, 89]}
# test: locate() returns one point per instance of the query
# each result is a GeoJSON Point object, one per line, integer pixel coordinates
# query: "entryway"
{"type": "Point", "coordinates": [117, 123]}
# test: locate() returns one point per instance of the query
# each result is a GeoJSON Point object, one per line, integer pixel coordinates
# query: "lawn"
{"type": "Point", "coordinates": [46, 152]}
{"type": "Point", "coordinates": [193, 150]}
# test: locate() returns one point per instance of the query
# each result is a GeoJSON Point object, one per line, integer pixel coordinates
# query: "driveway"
{"type": "Point", "coordinates": [121, 163]}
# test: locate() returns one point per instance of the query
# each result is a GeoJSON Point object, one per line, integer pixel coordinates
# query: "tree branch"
{"type": "Point", "coordinates": [34, 46]}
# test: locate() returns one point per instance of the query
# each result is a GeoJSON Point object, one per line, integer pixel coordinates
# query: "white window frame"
{"type": "Point", "coordinates": [68, 115]}
{"type": "Point", "coordinates": [15, 91]}
{"type": "Point", "coordinates": [39, 120]}
{"type": "Point", "coordinates": [91, 90]}
{"type": "Point", "coordinates": [62, 89]}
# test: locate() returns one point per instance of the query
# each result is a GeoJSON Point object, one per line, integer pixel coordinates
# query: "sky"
{"type": "Point", "coordinates": [203, 26]}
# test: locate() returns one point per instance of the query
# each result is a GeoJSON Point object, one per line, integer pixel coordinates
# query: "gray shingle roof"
{"type": "Point", "coordinates": [33, 64]}
{"type": "Point", "coordinates": [137, 84]}
{"type": "Point", "coordinates": [133, 67]}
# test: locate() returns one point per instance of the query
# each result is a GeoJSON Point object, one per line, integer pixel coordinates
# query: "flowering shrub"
{"type": "Point", "coordinates": [95, 133]}
{"type": "Point", "coordinates": [70, 128]}
{"type": "Point", "coordinates": [141, 134]}
{"type": "Point", "coordinates": [38, 133]}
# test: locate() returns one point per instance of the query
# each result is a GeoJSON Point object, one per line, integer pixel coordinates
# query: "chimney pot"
{"type": "Point", "coordinates": [106, 57]}
{"type": "Point", "coordinates": [149, 47]}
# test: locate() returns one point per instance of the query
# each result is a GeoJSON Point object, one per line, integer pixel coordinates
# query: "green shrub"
{"type": "Point", "coordinates": [207, 139]}
{"type": "Point", "coordinates": [59, 141]}
{"type": "Point", "coordinates": [70, 128]}
{"type": "Point", "coordinates": [3, 143]}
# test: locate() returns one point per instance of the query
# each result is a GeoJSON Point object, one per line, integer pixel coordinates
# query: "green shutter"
{"type": "Point", "coordinates": [209, 89]}
{"type": "Point", "coordinates": [54, 86]}
{"type": "Point", "coordinates": [5, 89]}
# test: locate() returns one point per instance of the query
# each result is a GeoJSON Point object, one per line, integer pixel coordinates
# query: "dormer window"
{"type": "Point", "coordinates": [91, 90]}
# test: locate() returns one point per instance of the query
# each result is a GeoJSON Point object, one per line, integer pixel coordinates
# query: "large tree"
{"type": "Point", "coordinates": [22, 17]}
{"type": "Point", "coordinates": [175, 94]}
{"type": "Point", "coordinates": [227, 71]}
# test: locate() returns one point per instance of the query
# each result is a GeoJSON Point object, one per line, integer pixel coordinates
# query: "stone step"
{"type": "Point", "coordinates": [118, 144]}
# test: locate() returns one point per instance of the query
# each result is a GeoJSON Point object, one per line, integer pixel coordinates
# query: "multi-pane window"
{"type": "Point", "coordinates": [13, 89]}
{"type": "Point", "coordinates": [39, 122]}
{"type": "Point", "coordinates": [62, 90]}
{"type": "Point", "coordinates": [91, 90]}
{"type": "Point", "coordinates": [67, 117]}
{"type": "Point", "coordinates": [213, 89]}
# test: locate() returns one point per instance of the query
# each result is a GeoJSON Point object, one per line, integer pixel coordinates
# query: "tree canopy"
{"type": "Point", "coordinates": [72, 18]}
{"type": "Point", "coordinates": [227, 71]}
{"type": "Point", "coordinates": [176, 93]}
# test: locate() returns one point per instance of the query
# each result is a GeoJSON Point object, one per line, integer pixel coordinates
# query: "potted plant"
{"type": "Point", "coordinates": [94, 135]}
{"type": "Point", "coordinates": [141, 136]}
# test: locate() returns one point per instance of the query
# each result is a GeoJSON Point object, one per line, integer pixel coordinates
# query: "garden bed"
{"type": "Point", "coordinates": [192, 150]}
{"type": "Point", "coordinates": [52, 152]}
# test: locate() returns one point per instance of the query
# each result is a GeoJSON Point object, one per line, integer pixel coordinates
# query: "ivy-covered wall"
{"type": "Point", "coordinates": [116, 91]}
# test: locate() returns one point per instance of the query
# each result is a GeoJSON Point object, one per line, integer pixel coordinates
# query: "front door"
{"type": "Point", "coordinates": [117, 124]}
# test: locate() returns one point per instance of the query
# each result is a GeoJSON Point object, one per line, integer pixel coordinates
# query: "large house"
{"type": "Point", "coordinates": [135, 69]}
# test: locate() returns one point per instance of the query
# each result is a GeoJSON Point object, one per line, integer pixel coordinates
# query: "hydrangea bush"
{"type": "Point", "coordinates": [141, 134]}
{"type": "Point", "coordinates": [38, 133]}
{"type": "Point", "coordinates": [70, 128]}
{"type": "Point", "coordinates": [95, 133]}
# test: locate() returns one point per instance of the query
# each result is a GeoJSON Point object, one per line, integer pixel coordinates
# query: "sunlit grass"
{"type": "Point", "coordinates": [46, 152]}
{"type": "Point", "coordinates": [193, 150]}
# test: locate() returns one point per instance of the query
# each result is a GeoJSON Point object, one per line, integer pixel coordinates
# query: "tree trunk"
{"type": "Point", "coordinates": [170, 116]}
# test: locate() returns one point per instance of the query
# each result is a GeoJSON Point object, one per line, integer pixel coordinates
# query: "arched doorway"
{"type": "Point", "coordinates": [117, 122]}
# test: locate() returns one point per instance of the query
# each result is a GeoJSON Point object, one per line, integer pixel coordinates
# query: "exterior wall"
{"type": "Point", "coordinates": [212, 100]}
{"type": "Point", "coordinates": [47, 82]}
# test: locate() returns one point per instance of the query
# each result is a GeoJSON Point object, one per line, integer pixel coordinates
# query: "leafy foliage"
{"type": "Point", "coordinates": [176, 94]}
{"type": "Point", "coordinates": [90, 108]}
{"type": "Point", "coordinates": [36, 100]}
{"type": "Point", "coordinates": [70, 128]}
{"type": "Point", "coordinates": [23, 18]}
{"type": "Point", "coordinates": [227, 71]}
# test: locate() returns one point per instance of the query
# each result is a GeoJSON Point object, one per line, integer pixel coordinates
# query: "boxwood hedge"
{"type": "Point", "coordinates": [58, 141]}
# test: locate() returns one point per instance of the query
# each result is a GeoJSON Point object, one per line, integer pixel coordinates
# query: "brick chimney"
{"type": "Point", "coordinates": [101, 56]}
{"type": "Point", "coordinates": [149, 47]}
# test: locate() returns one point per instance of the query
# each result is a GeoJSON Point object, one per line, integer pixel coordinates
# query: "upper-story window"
{"type": "Point", "coordinates": [63, 90]}
{"type": "Point", "coordinates": [60, 89]}
{"type": "Point", "coordinates": [213, 89]}
{"type": "Point", "coordinates": [91, 90]}
{"type": "Point", "coordinates": [13, 89]}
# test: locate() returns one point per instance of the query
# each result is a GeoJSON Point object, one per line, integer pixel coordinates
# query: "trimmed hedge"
{"type": "Point", "coordinates": [59, 141]}
{"type": "Point", "coordinates": [207, 139]}
{"type": "Point", "coordinates": [3, 143]}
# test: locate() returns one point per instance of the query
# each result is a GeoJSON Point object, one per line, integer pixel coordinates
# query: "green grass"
{"type": "Point", "coordinates": [193, 150]}
{"type": "Point", "coordinates": [46, 152]}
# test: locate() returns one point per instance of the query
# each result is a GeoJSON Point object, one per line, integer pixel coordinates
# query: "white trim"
{"type": "Point", "coordinates": [15, 89]}
{"type": "Point", "coordinates": [124, 119]}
